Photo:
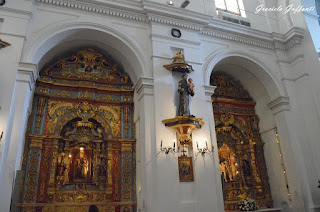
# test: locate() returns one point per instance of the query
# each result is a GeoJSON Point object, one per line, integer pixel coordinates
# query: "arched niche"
{"type": "Point", "coordinates": [263, 87]}
{"type": "Point", "coordinates": [81, 138]}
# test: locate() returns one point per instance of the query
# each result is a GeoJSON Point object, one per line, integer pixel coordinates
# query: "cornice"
{"type": "Point", "coordinates": [148, 11]}
{"type": "Point", "coordinates": [27, 73]}
{"type": "Point", "coordinates": [144, 86]}
{"type": "Point", "coordinates": [174, 22]}
{"type": "Point", "coordinates": [175, 12]}
{"type": "Point", "coordinates": [280, 104]}
{"type": "Point", "coordinates": [116, 10]}
{"type": "Point", "coordinates": [209, 91]}
{"type": "Point", "coordinates": [234, 32]}
{"type": "Point", "coordinates": [18, 13]}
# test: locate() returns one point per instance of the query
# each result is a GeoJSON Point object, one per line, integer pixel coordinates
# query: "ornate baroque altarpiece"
{"type": "Point", "coordinates": [80, 146]}
{"type": "Point", "coordinates": [242, 164]}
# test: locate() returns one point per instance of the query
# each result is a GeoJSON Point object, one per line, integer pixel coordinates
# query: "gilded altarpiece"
{"type": "Point", "coordinates": [241, 157]}
{"type": "Point", "coordinates": [80, 146]}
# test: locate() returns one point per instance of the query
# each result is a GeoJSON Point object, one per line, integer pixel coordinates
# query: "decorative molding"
{"type": "Point", "coordinates": [256, 38]}
{"type": "Point", "coordinates": [4, 44]}
{"type": "Point", "coordinates": [280, 104]}
{"type": "Point", "coordinates": [96, 7]}
{"type": "Point", "coordinates": [173, 22]}
{"type": "Point", "coordinates": [144, 86]}
{"type": "Point", "coordinates": [27, 72]}
{"type": "Point", "coordinates": [148, 11]}
{"type": "Point", "coordinates": [209, 91]}
{"type": "Point", "coordinates": [170, 38]}
{"type": "Point", "coordinates": [25, 14]}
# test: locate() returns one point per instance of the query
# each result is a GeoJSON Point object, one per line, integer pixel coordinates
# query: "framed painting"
{"type": "Point", "coordinates": [185, 169]}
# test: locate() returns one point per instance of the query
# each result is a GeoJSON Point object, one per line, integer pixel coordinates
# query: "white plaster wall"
{"type": "Point", "coordinates": [12, 30]}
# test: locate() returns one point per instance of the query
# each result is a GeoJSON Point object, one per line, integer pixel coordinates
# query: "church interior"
{"type": "Point", "coordinates": [159, 106]}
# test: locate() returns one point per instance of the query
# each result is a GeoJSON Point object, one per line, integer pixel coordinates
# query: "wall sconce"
{"type": "Point", "coordinates": [1, 135]}
{"type": "Point", "coordinates": [169, 149]}
{"type": "Point", "coordinates": [204, 150]}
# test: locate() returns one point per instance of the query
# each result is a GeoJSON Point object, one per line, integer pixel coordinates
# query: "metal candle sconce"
{"type": "Point", "coordinates": [204, 150]}
{"type": "Point", "coordinates": [169, 149]}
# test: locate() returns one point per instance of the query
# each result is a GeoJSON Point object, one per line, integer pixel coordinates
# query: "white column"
{"type": "Point", "coordinates": [146, 149]}
{"type": "Point", "coordinates": [209, 91]}
{"type": "Point", "coordinates": [16, 128]}
{"type": "Point", "coordinates": [291, 153]}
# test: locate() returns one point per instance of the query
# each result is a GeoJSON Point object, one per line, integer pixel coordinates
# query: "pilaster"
{"type": "Point", "coordinates": [16, 128]}
{"type": "Point", "coordinates": [291, 153]}
{"type": "Point", "coordinates": [209, 91]}
{"type": "Point", "coordinates": [145, 134]}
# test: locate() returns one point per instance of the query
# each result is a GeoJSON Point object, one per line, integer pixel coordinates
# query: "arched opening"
{"type": "Point", "coordinates": [80, 141]}
{"type": "Point", "coordinates": [253, 89]}
{"type": "Point", "coordinates": [240, 148]}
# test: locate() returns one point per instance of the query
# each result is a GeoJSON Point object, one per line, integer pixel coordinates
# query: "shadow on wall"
{"type": "Point", "coordinates": [285, 206]}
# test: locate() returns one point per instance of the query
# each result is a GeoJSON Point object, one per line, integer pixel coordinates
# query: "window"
{"type": "Point", "coordinates": [232, 6]}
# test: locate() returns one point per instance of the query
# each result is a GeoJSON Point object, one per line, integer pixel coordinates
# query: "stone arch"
{"type": "Point", "coordinates": [264, 85]}
{"type": "Point", "coordinates": [260, 70]}
{"type": "Point", "coordinates": [80, 96]}
{"type": "Point", "coordinates": [41, 48]}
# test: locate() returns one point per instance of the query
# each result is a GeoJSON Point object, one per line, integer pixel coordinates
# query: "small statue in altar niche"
{"type": "Point", "coordinates": [246, 166]}
{"type": "Point", "coordinates": [61, 166]}
{"type": "Point", "coordinates": [81, 168]}
{"type": "Point", "coordinates": [224, 169]}
{"type": "Point", "coordinates": [179, 58]}
{"type": "Point", "coordinates": [185, 90]}
{"type": "Point", "coordinates": [103, 167]}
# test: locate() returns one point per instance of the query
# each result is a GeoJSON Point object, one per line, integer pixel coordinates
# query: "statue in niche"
{"type": "Point", "coordinates": [61, 166]}
{"type": "Point", "coordinates": [185, 90]}
{"type": "Point", "coordinates": [103, 167]}
{"type": "Point", "coordinates": [224, 170]}
{"type": "Point", "coordinates": [81, 168]}
{"type": "Point", "coordinates": [246, 166]}
{"type": "Point", "coordinates": [228, 163]}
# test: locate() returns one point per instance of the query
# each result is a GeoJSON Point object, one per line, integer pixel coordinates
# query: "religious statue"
{"type": "Point", "coordinates": [103, 167]}
{"type": "Point", "coordinates": [61, 167]}
{"type": "Point", "coordinates": [179, 58]}
{"type": "Point", "coordinates": [223, 169]}
{"type": "Point", "coordinates": [246, 166]}
{"type": "Point", "coordinates": [81, 168]}
{"type": "Point", "coordinates": [191, 85]}
{"type": "Point", "coordinates": [185, 89]}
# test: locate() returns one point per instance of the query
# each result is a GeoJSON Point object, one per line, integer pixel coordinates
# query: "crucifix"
{"type": "Point", "coordinates": [183, 151]}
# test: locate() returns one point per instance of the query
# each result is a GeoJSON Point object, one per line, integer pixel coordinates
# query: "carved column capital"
{"type": "Point", "coordinates": [280, 104]}
{"type": "Point", "coordinates": [36, 141]}
{"type": "Point", "coordinates": [144, 86]}
{"type": "Point", "coordinates": [28, 73]}
{"type": "Point", "coordinates": [209, 91]}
